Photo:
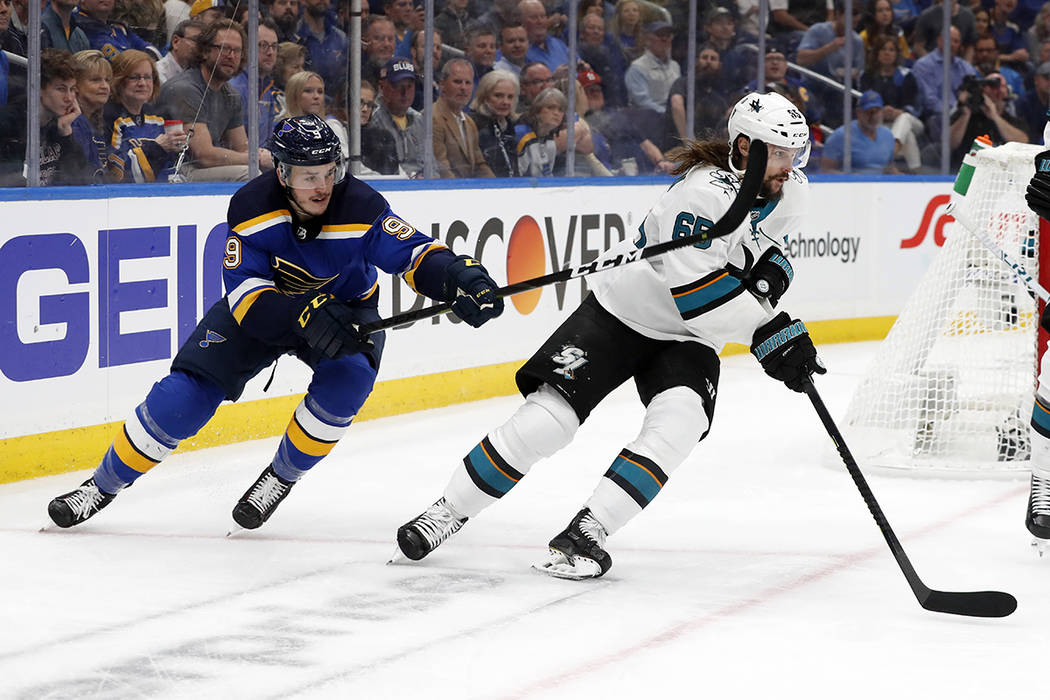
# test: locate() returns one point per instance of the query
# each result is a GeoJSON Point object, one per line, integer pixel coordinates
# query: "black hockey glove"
{"type": "Point", "coordinates": [1038, 193]}
{"type": "Point", "coordinates": [471, 291]}
{"type": "Point", "coordinates": [770, 276]}
{"type": "Point", "coordinates": [330, 326]}
{"type": "Point", "coordinates": [786, 352]}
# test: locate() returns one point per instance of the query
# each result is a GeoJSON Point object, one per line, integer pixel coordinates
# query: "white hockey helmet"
{"type": "Point", "coordinates": [771, 118]}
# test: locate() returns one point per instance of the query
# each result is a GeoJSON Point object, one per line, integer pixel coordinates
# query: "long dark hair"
{"type": "Point", "coordinates": [693, 153]}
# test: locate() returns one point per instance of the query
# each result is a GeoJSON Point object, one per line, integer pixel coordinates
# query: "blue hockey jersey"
{"type": "Point", "coordinates": [275, 263]}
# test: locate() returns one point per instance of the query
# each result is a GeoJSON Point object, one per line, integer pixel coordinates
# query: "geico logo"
{"type": "Point", "coordinates": [51, 286]}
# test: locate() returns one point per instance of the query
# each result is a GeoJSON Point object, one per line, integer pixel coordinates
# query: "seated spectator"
{"type": "Point", "coordinates": [631, 151]}
{"type": "Point", "coordinates": [6, 91]}
{"type": "Point", "coordinates": [929, 74]}
{"type": "Point", "coordinates": [542, 139]}
{"type": "Point", "coordinates": [144, 18]}
{"type": "Point", "coordinates": [291, 59]}
{"type": "Point", "coordinates": [650, 77]}
{"type": "Point", "coordinates": [738, 63]}
{"type": "Point", "coordinates": [109, 37]}
{"type": "Point", "coordinates": [1038, 33]}
{"type": "Point", "coordinates": [395, 115]}
{"type": "Point", "coordinates": [60, 29]}
{"type": "Point", "coordinates": [325, 44]}
{"type": "Point", "coordinates": [776, 72]}
{"type": "Point", "coordinates": [1033, 107]}
{"type": "Point", "coordinates": [981, 22]}
{"type": "Point", "coordinates": [378, 147]}
{"type": "Point", "coordinates": [906, 13]}
{"type": "Point", "coordinates": [626, 28]}
{"type": "Point", "coordinates": [183, 50]}
{"type": "Point", "coordinates": [535, 78]}
{"type": "Point", "coordinates": [453, 21]}
{"type": "Point", "coordinates": [285, 14]}
{"type": "Point", "coordinates": [270, 97]}
{"type": "Point", "coordinates": [514, 44]}
{"type": "Point", "coordinates": [208, 11]}
{"type": "Point", "coordinates": [13, 37]}
{"type": "Point", "coordinates": [139, 149]}
{"type": "Point", "coordinates": [93, 89]}
{"type": "Point", "coordinates": [790, 19]}
{"type": "Point", "coordinates": [381, 45]}
{"type": "Point", "coordinates": [456, 148]}
{"type": "Point", "coordinates": [492, 110]}
{"type": "Point", "coordinates": [1009, 41]}
{"type": "Point", "coordinates": [986, 60]}
{"type": "Point", "coordinates": [988, 117]}
{"type": "Point", "coordinates": [823, 49]}
{"type": "Point", "coordinates": [548, 50]}
{"type": "Point", "coordinates": [710, 105]}
{"type": "Point", "coordinates": [535, 134]}
{"type": "Point", "coordinates": [211, 109]}
{"type": "Point", "coordinates": [62, 160]}
{"type": "Point", "coordinates": [871, 148]}
{"type": "Point", "coordinates": [927, 32]}
{"type": "Point", "coordinates": [399, 13]}
{"type": "Point", "coordinates": [175, 11]}
{"type": "Point", "coordinates": [878, 23]}
{"type": "Point", "coordinates": [603, 54]}
{"type": "Point", "coordinates": [418, 54]}
{"type": "Point", "coordinates": [480, 49]}
{"type": "Point", "coordinates": [305, 94]}
{"type": "Point", "coordinates": [900, 96]}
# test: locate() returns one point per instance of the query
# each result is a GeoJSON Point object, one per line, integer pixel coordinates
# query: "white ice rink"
{"type": "Point", "coordinates": [757, 573]}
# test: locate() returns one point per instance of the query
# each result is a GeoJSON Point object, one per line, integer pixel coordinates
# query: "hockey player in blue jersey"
{"type": "Point", "coordinates": [300, 276]}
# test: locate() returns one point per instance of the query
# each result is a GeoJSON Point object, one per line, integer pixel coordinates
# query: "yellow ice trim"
{"type": "Point", "coordinates": [42, 454]}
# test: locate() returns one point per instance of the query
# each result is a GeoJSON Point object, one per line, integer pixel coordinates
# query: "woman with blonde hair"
{"type": "Point", "coordinates": [93, 75]}
{"type": "Point", "coordinates": [140, 149]}
{"type": "Point", "coordinates": [492, 110]}
{"type": "Point", "coordinates": [626, 28]}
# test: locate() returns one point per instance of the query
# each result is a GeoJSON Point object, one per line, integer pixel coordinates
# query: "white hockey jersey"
{"type": "Point", "coordinates": [695, 293]}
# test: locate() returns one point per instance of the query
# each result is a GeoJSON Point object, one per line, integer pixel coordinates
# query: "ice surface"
{"type": "Point", "coordinates": [757, 573]}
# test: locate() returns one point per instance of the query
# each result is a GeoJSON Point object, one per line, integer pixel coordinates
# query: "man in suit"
{"type": "Point", "coordinates": [456, 148]}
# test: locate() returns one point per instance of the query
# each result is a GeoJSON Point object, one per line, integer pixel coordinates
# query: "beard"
{"type": "Point", "coordinates": [766, 191]}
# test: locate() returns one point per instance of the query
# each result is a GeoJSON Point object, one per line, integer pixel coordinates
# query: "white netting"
{"type": "Point", "coordinates": [951, 388]}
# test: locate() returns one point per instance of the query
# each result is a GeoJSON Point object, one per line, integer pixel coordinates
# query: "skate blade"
{"type": "Point", "coordinates": [235, 531]}
{"type": "Point", "coordinates": [569, 568]}
{"type": "Point", "coordinates": [1041, 546]}
{"type": "Point", "coordinates": [398, 557]}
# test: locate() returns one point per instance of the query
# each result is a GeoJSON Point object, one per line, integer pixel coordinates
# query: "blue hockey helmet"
{"type": "Point", "coordinates": [306, 140]}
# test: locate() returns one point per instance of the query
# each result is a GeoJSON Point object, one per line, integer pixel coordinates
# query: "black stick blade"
{"type": "Point", "coordinates": [972, 604]}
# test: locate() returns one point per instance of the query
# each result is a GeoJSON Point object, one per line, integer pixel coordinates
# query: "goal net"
{"type": "Point", "coordinates": [951, 388]}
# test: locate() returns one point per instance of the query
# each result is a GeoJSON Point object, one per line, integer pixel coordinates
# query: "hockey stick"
{"type": "Point", "coordinates": [750, 185]}
{"type": "Point", "coordinates": [963, 218]}
{"type": "Point", "coordinates": [973, 603]}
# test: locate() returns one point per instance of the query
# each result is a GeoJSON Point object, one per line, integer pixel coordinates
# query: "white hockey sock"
{"type": "Point", "coordinates": [541, 426]}
{"type": "Point", "coordinates": [674, 422]}
{"type": "Point", "coordinates": [1040, 424]}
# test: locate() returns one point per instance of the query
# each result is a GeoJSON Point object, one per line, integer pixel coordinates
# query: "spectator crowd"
{"type": "Point", "coordinates": [158, 91]}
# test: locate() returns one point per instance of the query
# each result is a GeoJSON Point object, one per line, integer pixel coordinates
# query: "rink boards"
{"type": "Point", "coordinates": [100, 286]}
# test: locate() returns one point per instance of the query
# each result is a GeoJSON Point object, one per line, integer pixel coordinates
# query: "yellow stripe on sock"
{"type": "Point", "coordinates": [129, 455]}
{"type": "Point", "coordinates": [306, 444]}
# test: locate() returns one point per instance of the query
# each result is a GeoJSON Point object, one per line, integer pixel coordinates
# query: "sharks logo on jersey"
{"type": "Point", "coordinates": [292, 279]}
{"type": "Point", "coordinates": [727, 182]}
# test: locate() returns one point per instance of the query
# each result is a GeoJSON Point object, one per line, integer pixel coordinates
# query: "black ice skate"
{"type": "Point", "coordinates": [421, 535]}
{"type": "Point", "coordinates": [578, 551]}
{"type": "Point", "coordinates": [261, 499]}
{"type": "Point", "coordinates": [75, 507]}
{"type": "Point", "coordinates": [1038, 519]}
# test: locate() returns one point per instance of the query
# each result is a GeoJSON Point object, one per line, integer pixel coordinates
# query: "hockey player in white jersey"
{"type": "Point", "coordinates": [1037, 519]}
{"type": "Point", "coordinates": [660, 321]}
